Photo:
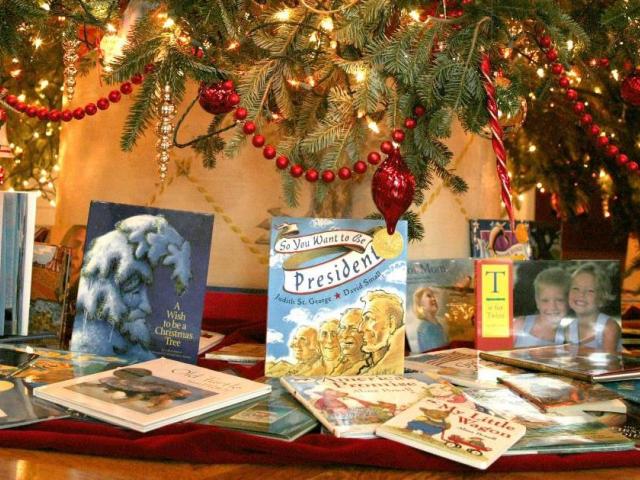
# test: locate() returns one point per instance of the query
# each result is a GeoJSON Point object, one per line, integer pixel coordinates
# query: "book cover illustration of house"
{"type": "Point", "coordinates": [141, 291]}
{"type": "Point", "coordinates": [49, 283]}
{"type": "Point", "coordinates": [494, 238]}
{"type": "Point", "coordinates": [353, 406]}
{"type": "Point", "coordinates": [336, 298]}
{"type": "Point", "coordinates": [453, 431]}
{"type": "Point", "coordinates": [440, 303]}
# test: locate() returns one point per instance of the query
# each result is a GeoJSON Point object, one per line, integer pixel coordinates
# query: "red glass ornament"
{"type": "Point", "coordinates": [66, 115]}
{"type": "Point", "coordinates": [563, 82]}
{"type": "Point", "coordinates": [374, 158]}
{"type": "Point", "coordinates": [11, 100]}
{"type": "Point", "coordinates": [218, 98]}
{"type": "Point", "coordinates": [572, 95]}
{"type": "Point", "coordinates": [311, 175]}
{"type": "Point", "coordinates": [419, 110]}
{"type": "Point", "coordinates": [328, 176]}
{"type": "Point", "coordinates": [622, 159]}
{"type": "Point", "coordinates": [282, 162]}
{"type": "Point", "coordinates": [398, 135]}
{"type": "Point", "coordinates": [149, 68]}
{"type": "Point", "coordinates": [557, 68]}
{"type": "Point", "coordinates": [393, 186]}
{"type": "Point", "coordinates": [78, 113]}
{"type": "Point", "coordinates": [102, 103]}
{"type": "Point", "coordinates": [114, 96]}
{"type": "Point", "coordinates": [594, 130]}
{"type": "Point", "coordinates": [578, 107]}
{"type": "Point", "coordinates": [586, 119]}
{"type": "Point", "coordinates": [296, 170]}
{"type": "Point", "coordinates": [545, 41]}
{"type": "Point", "coordinates": [604, 62]}
{"type": "Point", "coordinates": [612, 151]}
{"type": "Point", "coordinates": [136, 79]}
{"type": "Point", "coordinates": [258, 140]}
{"type": "Point", "coordinates": [410, 123]}
{"type": "Point", "coordinates": [249, 128]}
{"type": "Point", "coordinates": [552, 55]}
{"type": "Point", "coordinates": [344, 173]}
{"type": "Point", "coordinates": [630, 89]}
{"type": "Point", "coordinates": [228, 85]}
{"type": "Point", "coordinates": [90, 109]}
{"type": "Point", "coordinates": [43, 113]}
{"type": "Point", "coordinates": [31, 111]}
{"type": "Point", "coordinates": [386, 147]}
{"type": "Point", "coordinates": [54, 115]}
{"type": "Point", "coordinates": [126, 88]}
{"type": "Point", "coordinates": [632, 166]}
{"type": "Point", "coordinates": [241, 113]}
{"type": "Point", "coordinates": [602, 141]}
{"type": "Point", "coordinates": [359, 167]}
{"type": "Point", "coordinates": [3, 116]}
{"type": "Point", "coordinates": [21, 106]}
{"type": "Point", "coordinates": [269, 151]}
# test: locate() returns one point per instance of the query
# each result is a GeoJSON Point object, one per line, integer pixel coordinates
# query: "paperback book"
{"type": "Point", "coordinates": [456, 432]}
{"type": "Point", "coordinates": [208, 340]}
{"type": "Point", "coordinates": [494, 300]}
{"type": "Point", "coordinates": [152, 394]}
{"type": "Point", "coordinates": [353, 406]}
{"type": "Point", "coordinates": [336, 297]}
{"type": "Point", "coordinates": [461, 366]}
{"type": "Point", "coordinates": [575, 361]}
{"type": "Point", "coordinates": [239, 353]}
{"type": "Point", "coordinates": [552, 393]}
{"type": "Point", "coordinates": [440, 303]}
{"type": "Point", "coordinates": [494, 238]}
{"type": "Point", "coordinates": [277, 415]}
{"type": "Point", "coordinates": [143, 280]}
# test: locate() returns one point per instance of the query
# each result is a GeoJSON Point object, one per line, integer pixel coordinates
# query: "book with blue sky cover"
{"type": "Point", "coordinates": [337, 297]}
{"type": "Point", "coordinates": [143, 280]}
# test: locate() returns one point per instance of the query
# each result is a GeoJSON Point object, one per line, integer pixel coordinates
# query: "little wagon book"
{"type": "Point", "coordinates": [337, 298]}
{"type": "Point", "coordinates": [142, 284]}
{"type": "Point", "coordinates": [152, 394]}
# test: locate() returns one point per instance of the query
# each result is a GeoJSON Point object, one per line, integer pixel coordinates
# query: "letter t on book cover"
{"type": "Point", "coordinates": [142, 283]}
{"type": "Point", "coordinates": [494, 304]}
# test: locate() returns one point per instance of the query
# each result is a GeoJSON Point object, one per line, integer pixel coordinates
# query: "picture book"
{"type": "Point", "coordinates": [50, 366]}
{"type": "Point", "coordinates": [494, 238]}
{"type": "Point", "coordinates": [208, 340]}
{"type": "Point", "coordinates": [353, 406]}
{"type": "Point", "coordinates": [461, 366]}
{"type": "Point", "coordinates": [49, 288]}
{"type": "Point", "coordinates": [277, 415]}
{"type": "Point", "coordinates": [575, 361]}
{"type": "Point", "coordinates": [18, 407]}
{"type": "Point", "coordinates": [494, 304]}
{"type": "Point", "coordinates": [151, 394]}
{"type": "Point", "coordinates": [440, 302]}
{"type": "Point", "coordinates": [576, 301]}
{"type": "Point", "coordinates": [337, 297]}
{"type": "Point", "coordinates": [17, 227]}
{"type": "Point", "coordinates": [630, 294]}
{"type": "Point", "coordinates": [453, 431]}
{"type": "Point", "coordinates": [628, 389]}
{"type": "Point", "coordinates": [545, 239]}
{"type": "Point", "coordinates": [563, 394]}
{"type": "Point", "coordinates": [239, 353]}
{"type": "Point", "coordinates": [142, 284]}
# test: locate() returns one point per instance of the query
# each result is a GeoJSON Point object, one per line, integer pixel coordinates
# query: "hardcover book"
{"type": "Point", "coordinates": [239, 353]}
{"type": "Point", "coordinates": [564, 395]}
{"type": "Point", "coordinates": [49, 284]}
{"type": "Point", "coordinates": [143, 280]}
{"type": "Point", "coordinates": [440, 302]}
{"type": "Point", "coordinates": [152, 394]}
{"type": "Point", "coordinates": [353, 406]}
{"type": "Point", "coordinates": [575, 361]}
{"type": "Point", "coordinates": [336, 297]}
{"type": "Point", "coordinates": [461, 366]}
{"type": "Point", "coordinates": [494, 304]}
{"type": "Point", "coordinates": [628, 389]}
{"type": "Point", "coordinates": [494, 238]}
{"type": "Point", "coordinates": [208, 340]}
{"type": "Point", "coordinates": [277, 415]}
{"type": "Point", "coordinates": [453, 431]}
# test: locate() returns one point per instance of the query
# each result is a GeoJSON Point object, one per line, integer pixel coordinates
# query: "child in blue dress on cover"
{"type": "Point", "coordinates": [431, 333]}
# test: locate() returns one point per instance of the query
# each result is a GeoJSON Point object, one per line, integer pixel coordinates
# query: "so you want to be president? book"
{"type": "Point", "coordinates": [337, 298]}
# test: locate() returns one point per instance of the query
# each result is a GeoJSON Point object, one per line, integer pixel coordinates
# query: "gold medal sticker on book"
{"type": "Point", "coordinates": [388, 246]}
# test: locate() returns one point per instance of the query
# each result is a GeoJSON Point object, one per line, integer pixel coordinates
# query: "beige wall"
{"type": "Point", "coordinates": [242, 192]}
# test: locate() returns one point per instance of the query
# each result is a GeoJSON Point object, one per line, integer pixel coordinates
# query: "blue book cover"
{"type": "Point", "coordinates": [628, 389]}
{"type": "Point", "coordinates": [142, 284]}
{"type": "Point", "coordinates": [337, 298]}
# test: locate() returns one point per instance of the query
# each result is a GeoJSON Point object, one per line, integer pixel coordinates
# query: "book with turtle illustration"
{"type": "Point", "coordinates": [337, 298]}
{"type": "Point", "coordinates": [454, 431]}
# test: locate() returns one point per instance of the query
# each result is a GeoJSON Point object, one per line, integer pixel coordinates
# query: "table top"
{"type": "Point", "coordinates": [40, 465]}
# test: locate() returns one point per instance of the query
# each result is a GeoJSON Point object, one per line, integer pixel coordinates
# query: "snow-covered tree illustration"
{"type": "Point", "coordinates": [113, 303]}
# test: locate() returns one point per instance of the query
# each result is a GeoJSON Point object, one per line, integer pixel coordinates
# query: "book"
{"type": "Point", "coordinates": [461, 366]}
{"type": "Point", "coordinates": [494, 304]}
{"type": "Point", "coordinates": [453, 431]}
{"type": "Point", "coordinates": [352, 406]}
{"type": "Point", "coordinates": [575, 361]}
{"type": "Point", "coordinates": [277, 415]}
{"type": "Point", "coordinates": [564, 395]}
{"type": "Point", "coordinates": [440, 302]}
{"type": "Point", "coordinates": [239, 353]}
{"type": "Point", "coordinates": [208, 340]}
{"type": "Point", "coordinates": [51, 365]}
{"type": "Point", "coordinates": [142, 284]}
{"type": "Point", "coordinates": [151, 394]}
{"type": "Point", "coordinates": [18, 407]}
{"type": "Point", "coordinates": [494, 238]}
{"type": "Point", "coordinates": [16, 256]}
{"type": "Point", "coordinates": [545, 239]}
{"type": "Point", "coordinates": [628, 389]}
{"type": "Point", "coordinates": [337, 297]}
{"type": "Point", "coordinates": [49, 288]}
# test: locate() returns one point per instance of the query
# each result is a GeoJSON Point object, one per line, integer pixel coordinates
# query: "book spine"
{"type": "Point", "coordinates": [321, 418]}
{"type": "Point", "coordinates": [27, 265]}
{"type": "Point", "coordinates": [524, 394]}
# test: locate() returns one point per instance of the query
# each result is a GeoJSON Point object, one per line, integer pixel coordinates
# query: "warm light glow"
{"type": "Point", "coordinates": [540, 72]}
{"type": "Point", "coordinates": [615, 74]}
{"type": "Point", "coordinates": [37, 43]}
{"type": "Point", "coordinates": [327, 24]}
{"type": "Point", "coordinates": [22, 97]}
{"type": "Point", "coordinates": [44, 83]}
{"type": "Point", "coordinates": [333, 44]}
{"type": "Point", "coordinates": [111, 28]}
{"type": "Point", "coordinates": [311, 81]}
{"type": "Point", "coordinates": [415, 15]}
{"type": "Point", "coordinates": [373, 126]}
{"type": "Point", "coordinates": [313, 38]}
{"type": "Point", "coordinates": [111, 46]}
{"type": "Point", "coordinates": [283, 15]}
{"type": "Point", "coordinates": [15, 72]}
{"type": "Point", "coordinates": [45, 6]}
{"type": "Point", "coordinates": [532, 148]}
{"type": "Point", "coordinates": [168, 23]}
{"type": "Point", "coordinates": [597, 90]}
{"type": "Point", "coordinates": [539, 185]}
{"type": "Point", "coordinates": [570, 45]}
{"type": "Point", "coordinates": [233, 45]}
{"type": "Point", "coordinates": [360, 75]}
